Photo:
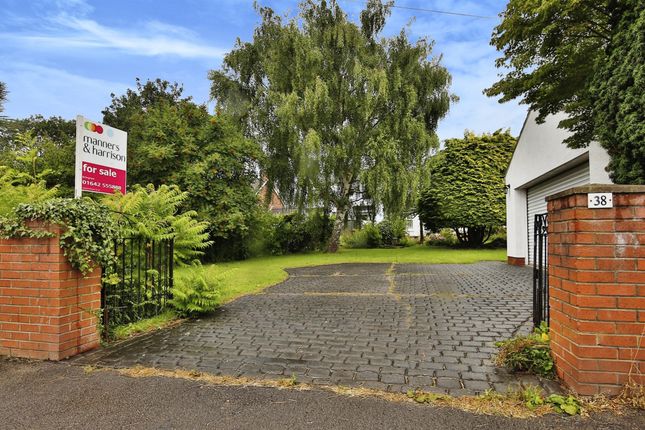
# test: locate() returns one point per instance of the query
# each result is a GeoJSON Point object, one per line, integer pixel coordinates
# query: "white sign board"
{"type": "Point", "coordinates": [600, 200]}
{"type": "Point", "coordinates": [101, 158]}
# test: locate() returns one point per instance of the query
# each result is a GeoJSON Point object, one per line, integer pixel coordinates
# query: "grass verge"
{"type": "Point", "coordinates": [144, 326]}
{"type": "Point", "coordinates": [239, 278]}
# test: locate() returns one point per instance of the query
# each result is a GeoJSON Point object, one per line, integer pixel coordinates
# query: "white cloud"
{"type": "Point", "coordinates": [153, 38]}
{"type": "Point", "coordinates": [50, 91]}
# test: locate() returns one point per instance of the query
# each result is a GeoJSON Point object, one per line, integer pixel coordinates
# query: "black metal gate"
{"type": "Point", "coordinates": [140, 283]}
{"type": "Point", "coordinates": [540, 270]}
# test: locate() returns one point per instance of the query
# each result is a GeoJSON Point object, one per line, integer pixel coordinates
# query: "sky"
{"type": "Point", "coordinates": [65, 57]}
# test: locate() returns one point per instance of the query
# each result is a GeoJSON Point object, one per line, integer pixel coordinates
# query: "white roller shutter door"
{"type": "Point", "coordinates": [536, 195]}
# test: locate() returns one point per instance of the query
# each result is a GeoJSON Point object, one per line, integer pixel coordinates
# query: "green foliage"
{"type": "Point", "coordinates": [165, 131]}
{"type": "Point", "coordinates": [194, 293]}
{"type": "Point", "coordinates": [291, 382]}
{"type": "Point", "coordinates": [387, 233]}
{"type": "Point", "coordinates": [369, 236]}
{"type": "Point", "coordinates": [156, 214]}
{"type": "Point", "coordinates": [44, 146]}
{"type": "Point", "coordinates": [407, 241]}
{"type": "Point", "coordinates": [299, 233]}
{"type": "Point", "coordinates": [533, 397]}
{"type": "Point", "coordinates": [335, 107]}
{"type": "Point", "coordinates": [467, 190]}
{"type": "Point", "coordinates": [373, 238]}
{"type": "Point", "coordinates": [17, 188]}
{"type": "Point", "coordinates": [90, 232]}
{"type": "Point", "coordinates": [445, 237]}
{"type": "Point", "coordinates": [497, 239]}
{"type": "Point", "coordinates": [528, 353]}
{"type": "Point", "coordinates": [619, 98]}
{"type": "Point", "coordinates": [584, 58]}
{"type": "Point", "coordinates": [393, 230]}
{"type": "Point", "coordinates": [568, 405]}
{"type": "Point", "coordinates": [172, 140]}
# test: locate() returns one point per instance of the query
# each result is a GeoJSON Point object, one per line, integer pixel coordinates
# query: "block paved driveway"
{"type": "Point", "coordinates": [384, 326]}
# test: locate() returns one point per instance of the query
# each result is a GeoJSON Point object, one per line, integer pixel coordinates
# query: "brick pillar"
{"type": "Point", "coordinates": [597, 288]}
{"type": "Point", "coordinates": [47, 308]}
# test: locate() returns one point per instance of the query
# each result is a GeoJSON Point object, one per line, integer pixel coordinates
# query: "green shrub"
{"type": "Point", "coordinates": [498, 239]}
{"type": "Point", "coordinates": [295, 233]}
{"type": "Point", "coordinates": [251, 238]}
{"type": "Point", "coordinates": [260, 236]}
{"type": "Point", "coordinates": [392, 231]}
{"type": "Point", "coordinates": [18, 188]}
{"type": "Point", "coordinates": [194, 294]}
{"type": "Point", "coordinates": [407, 241]}
{"type": "Point", "coordinates": [354, 239]}
{"type": "Point", "coordinates": [377, 235]}
{"type": "Point", "coordinates": [367, 237]}
{"type": "Point", "coordinates": [373, 238]}
{"type": "Point", "coordinates": [445, 237]}
{"type": "Point", "coordinates": [530, 353]}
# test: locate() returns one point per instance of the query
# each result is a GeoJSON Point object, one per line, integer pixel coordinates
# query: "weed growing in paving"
{"type": "Point", "coordinates": [530, 353]}
{"type": "Point", "coordinates": [490, 402]}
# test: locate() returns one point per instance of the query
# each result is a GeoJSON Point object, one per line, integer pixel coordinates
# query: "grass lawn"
{"type": "Point", "coordinates": [239, 278]}
{"type": "Point", "coordinates": [149, 324]}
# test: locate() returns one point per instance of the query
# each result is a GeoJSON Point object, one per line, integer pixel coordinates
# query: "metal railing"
{"type": "Point", "coordinates": [140, 283]}
{"type": "Point", "coordinates": [540, 270]}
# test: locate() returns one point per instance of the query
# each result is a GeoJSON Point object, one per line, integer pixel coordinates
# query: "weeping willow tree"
{"type": "Point", "coordinates": [338, 109]}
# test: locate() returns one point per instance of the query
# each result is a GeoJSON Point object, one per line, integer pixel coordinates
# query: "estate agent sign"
{"type": "Point", "coordinates": [101, 158]}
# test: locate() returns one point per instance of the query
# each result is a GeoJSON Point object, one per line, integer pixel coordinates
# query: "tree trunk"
{"type": "Point", "coordinates": [339, 222]}
{"type": "Point", "coordinates": [421, 235]}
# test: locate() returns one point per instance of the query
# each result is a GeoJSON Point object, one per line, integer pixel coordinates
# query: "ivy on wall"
{"type": "Point", "coordinates": [89, 229]}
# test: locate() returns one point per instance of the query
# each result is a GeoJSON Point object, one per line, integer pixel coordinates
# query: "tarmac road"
{"type": "Point", "coordinates": [60, 395]}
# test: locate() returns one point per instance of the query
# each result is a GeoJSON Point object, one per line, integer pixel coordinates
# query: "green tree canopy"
{"type": "Point", "coordinates": [165, 130]}
{"type": "Point", "coordinates": [619, 99]}
{"type": "Point", "coordinates": [337, 109]}
{"type": "Point", "coordinates": [467, 191]}
{"type": "Point", "coordinates": [584, 58]}
{"type": "Point", "coordinates": [174, 141]}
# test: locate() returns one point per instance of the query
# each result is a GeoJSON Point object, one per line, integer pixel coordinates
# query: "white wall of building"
{"type": "Point", "coordinates": [540, 155]}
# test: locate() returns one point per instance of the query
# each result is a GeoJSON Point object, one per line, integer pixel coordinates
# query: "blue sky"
{"type": "Point", "coordinates": [65, 57]}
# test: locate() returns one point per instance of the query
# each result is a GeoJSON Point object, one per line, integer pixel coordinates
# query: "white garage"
{"type": "Point", "coordinates": [542, 165]}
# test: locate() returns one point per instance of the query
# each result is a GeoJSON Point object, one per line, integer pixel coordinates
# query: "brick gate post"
{"type": "Point", "coordinates": [48, 310]}
{"type": "Point", "coordinates": [597, 288]}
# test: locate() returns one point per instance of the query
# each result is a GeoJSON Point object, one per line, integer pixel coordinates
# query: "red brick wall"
{"type": "Point", "coordinates": [516, 261]}
{"type": "Point", "coordinates": [47, 308]}
{"type": "Point", "coordinates": [597, 288]}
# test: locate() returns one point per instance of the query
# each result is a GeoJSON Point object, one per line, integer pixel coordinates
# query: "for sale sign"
{"type": "Point", "coordinates": [101, 158]}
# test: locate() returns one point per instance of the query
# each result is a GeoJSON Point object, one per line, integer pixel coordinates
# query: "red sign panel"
{"type": "Point", "coordinates": [102, 179]}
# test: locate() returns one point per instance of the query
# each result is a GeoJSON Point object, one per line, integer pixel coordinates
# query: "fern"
{"type": "Point", "coordinates": [194, 294]}
{"type": "Point", "coordinates": [155, 214]}
{"type": "Point", "coordinates": [19, 187]}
